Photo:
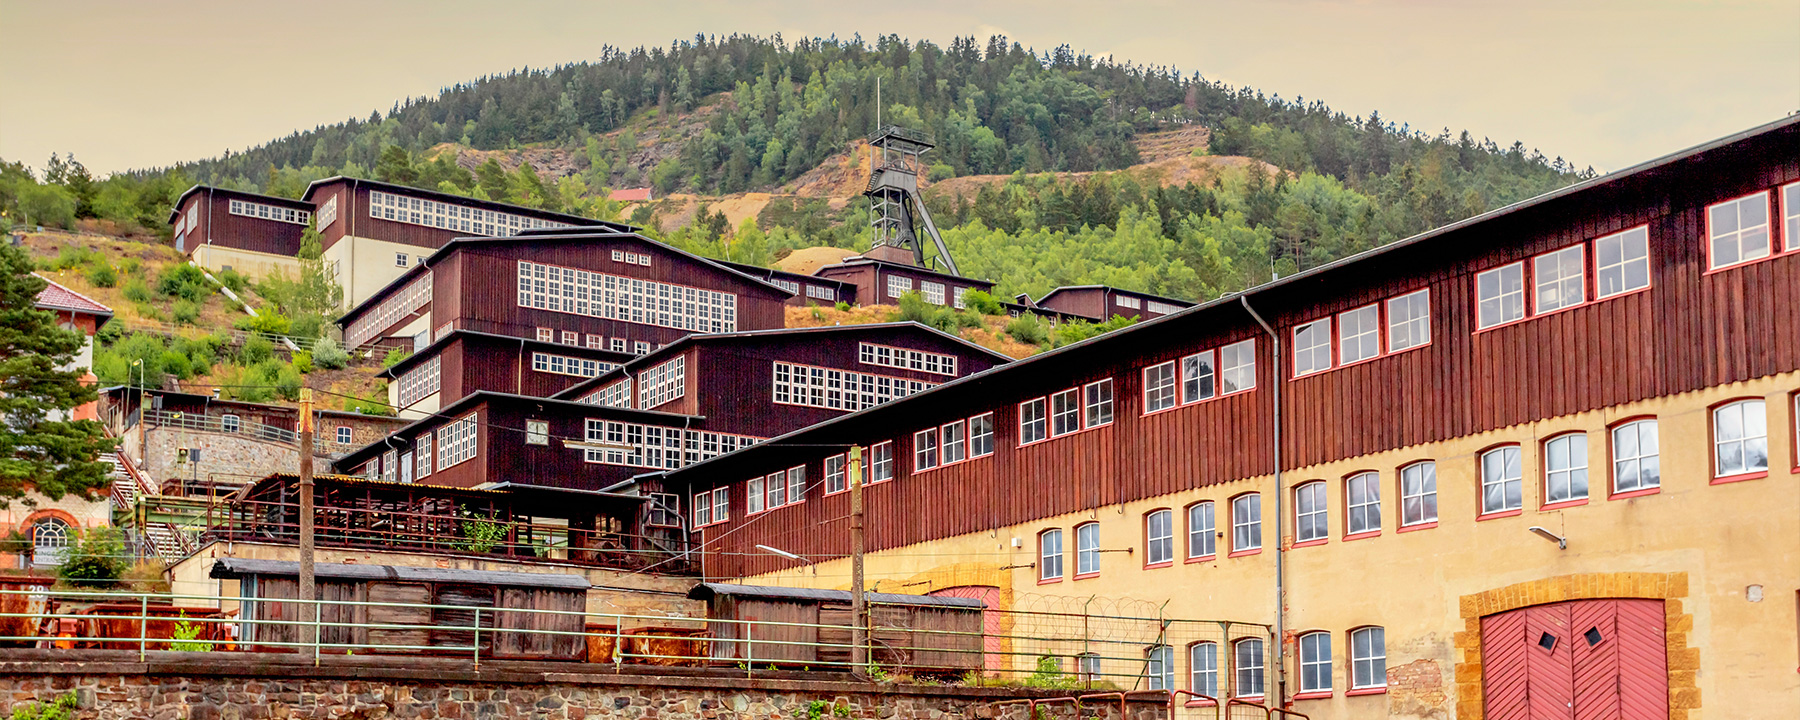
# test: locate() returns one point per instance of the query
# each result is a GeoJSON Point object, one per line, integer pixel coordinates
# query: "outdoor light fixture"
{"type": "Point", "coordinates": [1562, 543]}
{"type": "Point", "coordinates": [781, 552]}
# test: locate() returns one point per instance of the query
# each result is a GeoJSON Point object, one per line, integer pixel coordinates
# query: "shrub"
{"type": "Point", "coordinates": [101, 274]}
{"type": "Point", "coordinates": [177, 364]}
{"type": "Point", "coordinates": [186, 312]}
{"type": "Point", "coordinates": [131, 266]}
{"type": "Point", "coordinates": [110, 332]}
{"type": "Point", "coordinates": [1077, 330]}
{"type": "Point", "coordinates": [71, 256]}
{"type": "Point", "coordinates": [307, 326]}
{"type": "Point", "coordinates": [286, 379]}
{"type": "Point", "coordinates": [329, 355]}
{"type": "Point", "coordinates": [374, 404]}
{"type": "Point", "coordinates": [183, 281]}
{"type": "Point", "coordinates": [233, 279]}
{"type": "Point", "coordinates": [940, 171]}
{"type": "Point", "coordinates": [1028, 329]}
{"type": "Point", "coordinates": [185, 634]}
{"type": "Point", "coordinates": [97, 560]}
{"type": "Point", "coordinates": [394, 356]}
{"type": "Point", "coordinates": [303, 362]}
{"type": "Point", "coordinates": [256, 350]}
{"type": "Point", "coordinates": [982, 302]}
{"type": "Point", "coordinates": [59, 709]}
{"type": "Point", "coordinates": [136, 291]}
{"type": "Point", "coordinates": [843, 306]}
{"type": "Point", "coordinates": [266, 320]}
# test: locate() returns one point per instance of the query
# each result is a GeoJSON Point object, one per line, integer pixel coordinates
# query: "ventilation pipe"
{"type": "Point", "coordinates": [1280, 660]}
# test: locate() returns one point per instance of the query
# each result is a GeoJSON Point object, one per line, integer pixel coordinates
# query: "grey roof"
{"type": "Point", "coordinates": [231, 568]}
{"type": "Point", "coordinates": [705, 591]}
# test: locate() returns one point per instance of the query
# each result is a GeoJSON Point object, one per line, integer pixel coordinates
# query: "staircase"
{"type": "Point", "coordinates": [129, 491]}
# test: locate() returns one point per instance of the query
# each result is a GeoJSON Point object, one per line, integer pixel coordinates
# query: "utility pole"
{"type": "Point", "coordinates": [306, 594]}
{"type": "Point", "coordinates": [859, 606]}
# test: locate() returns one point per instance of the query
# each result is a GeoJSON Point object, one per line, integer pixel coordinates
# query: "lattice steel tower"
{"type": "Point", "coordinates": [893, 194]}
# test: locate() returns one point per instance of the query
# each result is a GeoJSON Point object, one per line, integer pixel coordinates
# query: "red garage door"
{"type": "Point", "coordinates": [1580, 660]}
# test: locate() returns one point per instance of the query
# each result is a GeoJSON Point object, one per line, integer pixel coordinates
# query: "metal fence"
{"type": "Point", "coordinates": [259, 431]}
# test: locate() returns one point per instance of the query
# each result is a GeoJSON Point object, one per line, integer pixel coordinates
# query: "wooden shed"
{"type": "Point", "coordinates": [444, 602]}
{"type": "Point", "coordinates": [916, 633]}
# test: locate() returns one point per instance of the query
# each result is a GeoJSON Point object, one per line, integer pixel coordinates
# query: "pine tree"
{"type": "Point", "coordinates": [37, 451]}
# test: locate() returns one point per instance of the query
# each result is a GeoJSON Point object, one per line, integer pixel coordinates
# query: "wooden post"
{"type": "Point", "coordinates": [306, 594]}
{"type": "Point", "coordinates": [859, 606]}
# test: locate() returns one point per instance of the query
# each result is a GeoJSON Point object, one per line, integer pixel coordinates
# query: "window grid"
{"type": "Point", "coordinates": [1202, 541]}
{"type": "Point", "coordinates": [229, 423]}
{"type": "Point", "coordinates": [837, 473]}
{"type": "Point", "coordinates": [1315, 662]}
{"type": "Point", "coordinates": [1368, 658]}
{"type": "Point", "coordinates": [1097, 403]}
{"type": "Point", "coordinates": [565, 365]}
{"type": "Point", "coordinates": [834, 389]}
{"type": "Point", "coordinates": [628, 299]}
{"type": "Point", "coordinates": [662, 384]}
{"type": "Point", "coordinates": [897, 286]}
{"type": "Point", "coordinates": [616, 394]}
{"type": "Point", "coordinates": [1622, 262]}
{"type": "Point", "coordinates": [1159, 537]}
{"type": "Point", "coordinates": [655, 446]}
{"type": "Point", "coordinates": [1311, 513]}
{"type": "Point", "coordinates": [981, 435]}
{"type": "Point", "coordinates": [390, 312]}
{"type": "Point", "coordinates": [1249, 657]}
{"type": "Point", "coordinates": [1359, 334]}
{"type": "Point", "coordinates": [270, 212]}
{"type": "Point", "coordinates": [1246, 523]}
{"type": "Point", "coordinates": [457, 442]}
{"type": "Point", "coordinates": [1362, 502]}
{"type": "Point", "coordinates": [1740, 438]}
{"type": "Point", "coordinates": [1565, 469]}
{"type": "Point", "coordinates": [344, 435]}
{"type": "Point", "coordinates": [906, 359]}
{"type": "Point", "coordinates": [1033, 425]}
{"type": "Point", "coordinates": [420, 382]}
{"type": "Point", "coordinates": [881, 462]}
{"type": "Point", "coordinates": [1065, 412]}
{"type": "Point", "coordinates": [1500, 480]}
{"type": "Point", "coordinates": [1203, 667]}
{"type": "Point", "coordinates": [1738, 231]}
{"type": "Point", "coordinates": [933, 292]}
{"type": "Point", "coordinates": [1050, 555]}
{"type": "Point", "coordinates": [1159, 387]}
{"type": "Point", "coordinates": [1790, 216]}
{"type": "Point", "coordinates": [1199, 379]}
{"type": "Point", "coordinates": [1418, 493]}
{"type": "Point", "coordinates": [925, 449]}
{"type": "Point", "coordinates": [1409, 321]}
{"type": "Point", "coordinates": [1237, 367]}
{"type": "Point", "coordinates": [753, 496]}
{"type": "Point", "coordinates": [1312, 347]}
{"type": "Point", "coordinates": [1087, 549]}
{"type": "Point", "coordinates": [458, 218]}
{"type": "Point", "coordinates": [1635, 461]}
{"type": "Point", "coordinates": [955, 442]}
{"type": "Point", "coordinates": [1500, 295]}
{"type": "Point", "coordinates": [1560, 280]}
{"type": "Point", "coordinates": [1159, 668]}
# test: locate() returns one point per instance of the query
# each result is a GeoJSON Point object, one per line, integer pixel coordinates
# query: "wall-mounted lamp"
{"type": "Point", "coordinates": [1562, 543]}
{"type": "Point", "coordinates": [781, 552]}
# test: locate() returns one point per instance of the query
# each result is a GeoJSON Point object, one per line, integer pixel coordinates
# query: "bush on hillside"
{"type": "Point", "coordinates": [327, 354]}
{"type": "Point", "coordinates": [102, 275]}
{"type": "Point", "coordinates": [136, 291]}
{"type": "Point", "coordinates": [981, 302]}
{"type": "Point", "coordinates": [175, 363]}
{"type": "Point", "coordinates": [1074, 331]}
{"type": "Point", "coordinates": [256, 349]}
{"type": "Point", "coordinates": [183, 281]}
{"type": "Point", "coordinates": [96, 562]}
{"type": "Point", "coordinates": [303, 362]}
{"type": "Point", "coordinates": [233, 279]}
{"type": "Point", "coordinates": [266, 320]}
{"type": "Point", "coordinates": [1028, 329]}
{"type": "Point", "coordinates": [394, 356]}
{"type": "Point", "coordinates": [186, 312]}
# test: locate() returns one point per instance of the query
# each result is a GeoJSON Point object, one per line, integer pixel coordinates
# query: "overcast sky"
{"type": "Point", "coordinates": [136, 84]}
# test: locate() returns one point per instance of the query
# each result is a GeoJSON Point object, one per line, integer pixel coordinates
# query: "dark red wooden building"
{"type": "Point", "coordinates": [207, 215]}
{"type": "Point", "coordinates": [465, 361]}
{"type": "Point", "coordinates": [881, 282]}
{"type": "Point", "coordinates": [1100, 302]}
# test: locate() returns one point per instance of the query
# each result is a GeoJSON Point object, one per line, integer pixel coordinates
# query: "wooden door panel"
{"type": "Point", "coordinates": [1594, 646]}
{"type": "Point", "coordinates": [1643, 661]}
{"type": "Point", "coordinates": [1580, 660]}
{"type": "Point", "coordinates": [1549, 686]}
{"type": "Point", "coordinates": [1503, 649]}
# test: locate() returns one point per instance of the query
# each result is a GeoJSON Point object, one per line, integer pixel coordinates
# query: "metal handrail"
{"type": "Point", "coordinates": [259, 431]}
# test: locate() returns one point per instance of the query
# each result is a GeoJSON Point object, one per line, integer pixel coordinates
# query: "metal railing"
{"type": "Point", "coordinates": [903, 641]}
{"type": "Point", "coordinates": [259, 431]}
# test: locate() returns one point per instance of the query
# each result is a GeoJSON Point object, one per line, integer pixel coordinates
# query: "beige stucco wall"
{"type": "Point", "coordinates": [365, 265]}
{"type": "Point", "coordinates": [252, 264]}
{"type": "Point", "coordinates": [224, 457]}
{"type": "Point", "coordinates": [1725, 538]}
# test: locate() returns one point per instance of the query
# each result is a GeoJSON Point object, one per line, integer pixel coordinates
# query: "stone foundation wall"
{"type": "Point", "coordinates": [221, 686]}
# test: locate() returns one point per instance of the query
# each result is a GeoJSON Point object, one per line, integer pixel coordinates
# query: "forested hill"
{"type": "Point", "coordinates": [740, 114]}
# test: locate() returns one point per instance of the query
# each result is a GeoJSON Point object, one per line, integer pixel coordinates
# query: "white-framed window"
{"type": "Point", "coordinates": [640, 347]}
{"type": "Point", "coordinates": [1087, 667]}
{"type": "Point", "coordinates": [1159, 667]}
{"type": "Point", "coordinates": [664, 510]}
{"type": "Point", "coordinates": [1311, 512]}
{"type": "Point", "coordinates": [1203, 669]}
{"type": "Point", "coordinates": [1199, 379]}
{"type": "Point", "coordinates": [925, 449]}
{"type": "Point", "coordinates": [537, 432]}
{"type": "Point", "coordinates": [1033, 424]}
{"type": "Point", "coordinates": [837, 475]}
{"type": "Point", "coordinates": [571, 338]}
{"type": "Point", "coordinates": [50, 540]}
{"type": "Point", "coordinates": [775, 489]}
{"type": "Point", "coordinates": [1246, 522]}
{"type": "Point", "coordinates": [981, 435]}
{"type": "Point", "coordinates": [1127, 302]}
{"type": "Point", "coordinates": [447, 216]}
{"type": "Point", "coordinates": [1201, 531]}
{"type": "Point", "coordinates": [833, 389]}
{"type": "Point", "coordinates": [1636, 462]}
{"type": "Point", "coordinates": [268, 212]}
{"type": "Point", "coordinates": [1790, 214]}
{"type": "Point", "coordinates": [345, 435]}
{"type": "Point", "coordinates": [933, 292]}
{"type": "Point", "coordinates": [1418, 493]}
{"type": "Point", "coordinates": [1740, 438]}
{"type": "Point", "coordinates": [1159, 387]}
{"type": "Point", "coordinates": [1500, 480]}
{"type": "Point", "coordinates": [406, 467]}
{"type": "Point", "coordinates": [1097, 403]}
{"type": "Point", "coordinates": [1622, 262]}
{"type": "Point", "coordinates": [546, 335]}
{"type": "Point", "coordinates": [881, 462]}
{"type": "Point", "coordinates": [1237, 367]}
{"type": "Point", "coordinates": [422, 446]}
{"type": "Point", "coordinates": [906, 359]}
{"type": "Point", "coordinates": [1409, 320]}
{"type": "Point", "coordinates": [1359, 334]}
{"type": "Point", "coordinates": [754, 493]}
{"type": "Point", "coordinates": [400, 259]}
{"type": "Point", "coordinates": [1565, 468]}
{"type": "Point", "coordinates": [618, 344]}
{"type": "Point", "coordinates": [1738, 230]}
{"type": "Point", "coordinates": [1050, 555]}
{"type": "Point", "coordinates": [327, 213]}
{"type": "Point", "coordinates": [1312, 347]}
{"type": "Point", "coordinates": [897, 286]}
{"type": "Point", "coordinates": [954, 437]}
{"type": "Point", "coordinates": [796, 481]}
{"type": "Point", "coordinates": [1159, 537]}
{"type": "Point", "coordinates": [1161, 308]}
{"type": "Point", "coordinates": [721, 505]}
{"type": "Point", "coordinates": [664, 383]}
{"type": "Point", "coordinates": [1368, 658]}
{"type": "Point", "coordinates": [394, 308]}
{"type": "Point", "coordinates": [1315, 662]}
{"type": "Point", "coordinates": [390, 466]}
{"type": "Point", "coordinates": [456, 442]}
{"type": "Point", "coordinates": [422, 381]}
{"type": "Point", "coordinates": [1362, 503]}
{"type": "Point", "coordinates": [565, 365]}
{"type": "Point", "coordinates": [1249, 663]}
{"type": "Point", "coordinates": [1065, 412]}
{"type": "Point", "coordinates": [1500, 295]}
{"type": "Point", "coordinates": [625, 299]}
{"type": "Point", "coordinates": [595, 342]}
{"type": "Point", "coordinates": [702, 509]}
{"type": "Point", "coordinates": [956, 296]}
{"type": "Point", "coordinates": [1087, 549]}
{"type": "Point", "coordinates": [1560, 279]}
{"type": "Point", "coordinates": [230, 423]}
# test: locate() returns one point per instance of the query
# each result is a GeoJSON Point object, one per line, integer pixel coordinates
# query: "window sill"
{"type": "Point", "coordinates": [1363, 535]}
{"type": "Point", "coordinates": [1159, 565]}
{"type": "Point", "coordinates": [1500, 514]}
{"type": "Point", "coordinates": [1049, 581]}
{"type": "Point", "coordinates": [1563, 504]}
{"type": "Point", "coordinates": [1418, 526]}
{"type": "Point", "coordinates": [1087, 576]}
{"type": "Point", "coordinates": [1252, 699]}
{"type": "Point", "coordinates": [1201, 703]}
{"type": "Point", "coordinates": [1202, 559]}
{"type": "Point", "coordinates": [1313, 695]}
{"type": "Point", "coordinates": [1740, 477]}
{"type": "Point", "coordinates": [1310, 543]}
{"type": "Point", "coordinates": [1742, 263]}
{"type": "Point", "coordinates": [1636, 493]}
{"type": "Point", "coordinates": [1245, 553]}
{"type": "Point", "coordinates": [1366, 691]}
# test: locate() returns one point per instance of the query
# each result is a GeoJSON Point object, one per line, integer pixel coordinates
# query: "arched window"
{"type": "Point", "coordinates": [1418, 493]}
{"type": "Point", "coordinates": [1159, 667]}
{"type": "Point", "coordinates": [50, 540]}
{"type": "Point", "coordinates": [1159, 537]}
{"type": "Point", "coordinates": [1315, 662]}
{"type": "Point", "coordinates": [1246, 523]}
{"type": "Point", "coordinates": [1202, 533]}
{"type": "Point", "coordinates": [1087, 549]}
{"type": "Point", "coordinates": [1248, 659]}
{"type": "Point", "coordinates": [230, 423]}
{"type": "Point", "coordinates": [1310, 512]}
{"type": "Point", "coordinates": [1636, 462]}
{"type": "Point", "coordinates": [1203, 664]}
{"type": "Point", "coordinates": [1565, 468]}
{"type": "Point", "coordinates": [1368, 658]}
{"type": "Point", "coordinates": [1740, 439]}
{"type": "Point", "coordinates": [1362, 503]}
{"type": "Point", "coordinates": [1050, 554]}
{"type": "Point", "coordinates": [1500, 480]}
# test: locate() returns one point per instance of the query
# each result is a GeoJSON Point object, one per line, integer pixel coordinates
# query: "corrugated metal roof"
{"type": "Point", "coordinates": [706, 591]}
{"type": "Point", "coordinates": [232, 568]}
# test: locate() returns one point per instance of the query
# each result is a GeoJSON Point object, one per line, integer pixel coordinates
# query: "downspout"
{"type": "Point", "coordinates": [519, 369]}
{"type": "Point", "coordinates": [209, 205]}
{"type": "Point", "coordinates": [1280, 664]}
